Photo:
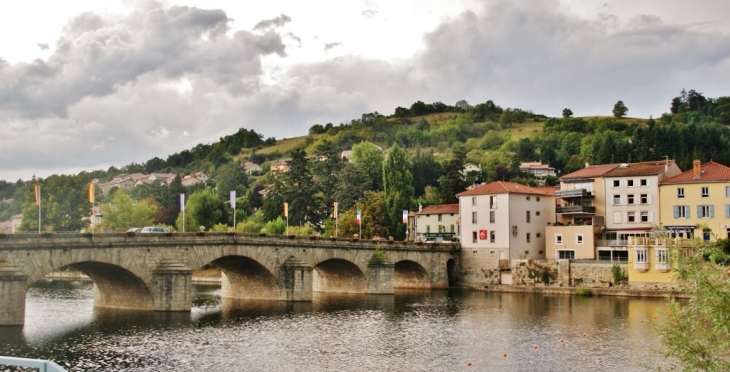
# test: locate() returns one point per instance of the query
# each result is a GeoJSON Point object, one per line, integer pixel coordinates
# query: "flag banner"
{"type": "Point", "coordinates": [286, 209]}
{"type": "Point", "coordinates": [358, 219]}
{"type": "Point", "coordinates": [92, 194]}
{"type": "Point", "coordinates": [405, 216]}
{"type": "Point", "coordinates": [37, 191]}
{"type": "Point", "coordinates": [233, 199]}
{"type": "Point", "coordinates": [335, 212]}
{"type": "Point", "coordinates": [182, 202]}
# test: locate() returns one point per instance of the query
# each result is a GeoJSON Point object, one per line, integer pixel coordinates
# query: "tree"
{"type": "Point", "coordinates": [697, 332]}
{"type": "Point", "coordinates": [398, 187]}
{"type": "Point", "coordinates": [567, 113]}
{"type": "Point", "coordinates": [64, 205]}
{"type": "Point", "coordinates": [352, 184]}
{"type": "Point", "coordinates": [370, 158]}
{"type": "Point", "coordinates": [425, 170]}
{"type": "Point", "coordinates": [325, 173]}
{"type": "Point", "coordinates": [374, 217]}
{"type": "Point", "coordinates": [620, 110]}
{"type": "Point", "coordinates": [230, 177]}
{"type": "Point", "coordinates": [124, 213]}
{"type": "Point", "coordinates": [300, 192]}
{"type": "Point", "coordinates": [203, 208]}
{"type": "Point", "coordinates": [452, 182]}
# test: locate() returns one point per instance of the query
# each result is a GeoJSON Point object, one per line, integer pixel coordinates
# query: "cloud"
{"type": "Point", "coordinates": [43, 46]}
{"type": "Point", "coordinates": [329, 46]}
{"type": "Point", "coordinates": [279, 21]}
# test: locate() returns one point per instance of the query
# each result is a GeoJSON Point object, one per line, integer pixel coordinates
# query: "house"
{"type": "Point", "coordinates": [251, 168]}
{"type": "Point", "coordinates": [279, 167]}
{"type": "Point", "coordinates": [163, 178]}
{"type": "Point", "coordinates": [503, 221]}
{"type": "Point", "coordinates": [470, 167]}
{"type": "Point", "coordinates": [122, 182]}
{"type": "Point", "coordinates": [346, 154]}
{"type": "Point", "coordinates": [696, 203]}
{"type": "Point", "coordinates": [649, 264]}
{"type": "Point", "coordinates": [538, 169]}
{"type": "Point", "coordinates": [437, 223]}
{"type": "Point", "coordinates": [193, 179]}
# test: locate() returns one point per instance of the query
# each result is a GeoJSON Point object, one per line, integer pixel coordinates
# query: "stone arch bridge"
{"type": "Point", "coordinates": [153, 271]}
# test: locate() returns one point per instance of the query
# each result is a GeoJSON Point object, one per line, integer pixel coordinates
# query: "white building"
{"type": "Point", "coordinates": [437, 223]}
{"type": "Point", "coordinates": [503, 221]}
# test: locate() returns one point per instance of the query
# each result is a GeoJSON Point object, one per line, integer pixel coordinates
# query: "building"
{"type": "Point", "coordinates": [437, 223]}
{"type": "Point", "coordinates": [193, 179]}
{"type": "Point", "coordinates": [16, 221]}
{"type": "Point", "coordinates": [649, 265]}
{"type": "Point", "coordinates": [538, 169]}
{"type": "Point", "coordinates": [279, 167]}
{"type": "Point", "coordinates": [122, 181]}
{"type": "Point", "coordinates": [503, 221]}
{"type": "Point", "coordinates": [251, 168]}
{"type": "Point", "coordinates": [696, 203]}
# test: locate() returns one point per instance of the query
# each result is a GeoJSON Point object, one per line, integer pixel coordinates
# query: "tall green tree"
{"type": "Point", "coordinates": [352, 184]}
{"type": "Point", "coordinates": [125, 213]}
{"type": "Point", "coordinates": [452, 182]}
{"type": "Point", "coordinates": [398, 188]}
{"type": "Point", "coordinates": [202, 208]}
{"type": "Point", "coordinates": [230, 177]}
{"type": "Point", "coordinates": [374, 217]}
{"type": "Point", "coordinates": [620, 110]}
{"type": "Point", "coordinates": [300, 192]}
{"type": "Point", "coordinates": [425, 170]}
{"type": "Point", "coordinates": [370, 158]}
{"type": "Point", "coordinates": [64, 204]}
{"type": "Point", "coordinates": [324, 172]}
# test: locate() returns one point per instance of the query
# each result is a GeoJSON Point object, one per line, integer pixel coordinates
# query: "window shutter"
{"type": "Point", "coordinates": [675, 209]}
{"type": "Point", "coordinates": [648, 199]}
{"type": "Point", "coordinates": [616, 217]}
{"type": "Point", "coordinates": [727, 210]}
{"type": "Point", "coordinates": [699, 211]}
{"type": "Point", "coordinates": [712, 211]}
{"type": "Point", "coordinates": [686, 207]}
{"type": "Point", "coordinates": [727, 191]}
{"type": "Point", "coordinates": [651, 216]}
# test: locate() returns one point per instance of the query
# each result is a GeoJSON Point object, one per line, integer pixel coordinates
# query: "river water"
{"type": "Point", "coordinates": [411, 331]}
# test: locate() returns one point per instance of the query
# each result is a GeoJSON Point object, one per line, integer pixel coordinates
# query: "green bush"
{"type": "Point", "coordinates": [584, 292]}
{"type": "Point", "coordinates": [619, 276]}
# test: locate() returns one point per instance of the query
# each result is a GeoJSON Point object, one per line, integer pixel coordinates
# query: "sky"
{"type": "Point", "coordinates": [89, 84]}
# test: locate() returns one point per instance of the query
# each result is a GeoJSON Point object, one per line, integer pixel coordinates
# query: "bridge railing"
{"type": "Point", "coordinates": [40, 365]}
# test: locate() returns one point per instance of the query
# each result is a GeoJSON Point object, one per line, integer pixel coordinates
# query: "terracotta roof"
{"type": "Point", "coordinates": [548, 189]}
{"type": "Point", "coordinates": [440, 209]}
{"type": "Point", "coordinates": [535, 165]}
{"type": "Point", "coordinates": [501, 187]}
{"type": "Point", "coordinates": [710, 172]}
{"type": "Point", "coordinates": [591, 171]}
{"type": "Point", "coordinates": [647, 168]}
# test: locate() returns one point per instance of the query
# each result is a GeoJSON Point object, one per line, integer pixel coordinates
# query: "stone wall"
{"type": "Point", "coordinates": [535, 272]}
{"type": "Point", "coordinates": [476, 278]}
{"type": "Point", "coordinates": [654, 286]}
{"type": "Point", "coordinates": [595, 275]}
{"type": "Point", "coordinates": [563, 273]}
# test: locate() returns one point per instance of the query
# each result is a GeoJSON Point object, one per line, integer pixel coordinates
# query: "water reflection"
{"type": "Point", "coordinates": [413, 330]}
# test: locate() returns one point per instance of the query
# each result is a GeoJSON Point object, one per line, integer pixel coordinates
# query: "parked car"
{"type": "Point", "coordinates": [135, 230]}
{"type": "Point", "coordinates": [154, 230]}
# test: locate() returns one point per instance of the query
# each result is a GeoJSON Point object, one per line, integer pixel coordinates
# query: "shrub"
{"type": "Point", "coordinates": [619, 275]}
{"type": "Point", "coordinates": [584, 291]}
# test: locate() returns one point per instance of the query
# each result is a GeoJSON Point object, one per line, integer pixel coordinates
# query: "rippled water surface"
{"type": "Point", "coordinates": [411, 331]}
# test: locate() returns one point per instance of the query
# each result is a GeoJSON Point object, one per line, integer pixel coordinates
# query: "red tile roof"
{"type": "Point", "coordinates": [501, 187]}
{"type": "Point", "coordinates": [591, 171]}
{"type": "Point", "coordinates": [440, 209]}
{"type": "Point", "coordinates": [647, 168]}
{"type": "Point", "coordinates": [710, 172]}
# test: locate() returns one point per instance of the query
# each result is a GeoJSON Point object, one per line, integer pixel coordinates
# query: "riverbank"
{"type": "Point", "coordinates": [620, 292]}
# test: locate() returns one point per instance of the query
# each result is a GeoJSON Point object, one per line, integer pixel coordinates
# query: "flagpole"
{"type": "Point", "coordinates": [336, 215]}
{"type": "Point", "coordinates": [39, 209]}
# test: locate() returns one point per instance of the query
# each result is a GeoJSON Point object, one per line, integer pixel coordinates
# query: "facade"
{"type": "Point", "coordinates": [696, 203]}
{"type": "Point", "coordinates": [503, 221]}
{"type": "Point", "coordinates": [650, 265]}
{"type": "Point", "coordinates": [437, 223]}
{"type": "Point", "coordinates": [537, 168]}
{"type": "Point", "coordinates": [251, 168]}
{"type": "Point", "coordinates": [279, 167]}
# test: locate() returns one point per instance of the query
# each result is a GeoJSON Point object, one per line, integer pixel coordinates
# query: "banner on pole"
{"type": "Point", "coordinates": [37, 190]}
{"type": "Point", "coordinates": [233, 199]}
{"type": "Point", "coordinates": [182, 202]}
{"type": "Point", "coordinates": [92, 194]}
{"type": "Point", "coordinates": [358, 218]}
{"type": "Point", "coordinates": [286, 209]}
{"type": "Point", "coordinates": [405, 216]}
{"type": "Point", "coordinates": [334, 214]}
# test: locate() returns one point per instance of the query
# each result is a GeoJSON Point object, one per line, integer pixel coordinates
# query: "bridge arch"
{"type": "Point", "coordinates": [338, 275]}
{"type": "Point", "coordinates": [410, 274]}
{"type": "Point", "coordinates": [116, 287]}
{"type": "Point", "coordinates": [244, 277]}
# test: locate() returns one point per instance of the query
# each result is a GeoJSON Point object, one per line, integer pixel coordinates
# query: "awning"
{"type": "Point", "coordinates": [680, 227]}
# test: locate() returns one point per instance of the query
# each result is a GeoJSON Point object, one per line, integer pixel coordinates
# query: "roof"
{"type": "Point", "coordinates": [440, 209]}
{"type": "Point", "coordinates": [647, 168]}
{"type": "Point", "coordinates": [591, 171]}
{"type": "Point", "coordinates": [709, 172]}
{"type": "Point", "coordinates": [535, 165]}
{"type": "Point", "coordinates": [548, 189]}
{"type": "Point", "coordinates": [502, 187]}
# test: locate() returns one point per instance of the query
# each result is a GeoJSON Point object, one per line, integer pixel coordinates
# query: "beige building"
{"type": "Point", "coordinates": [503, 221]}
{"type": "Point", "coordinates": [537, 168]}
{"type": "Point", "coordinates": [437, 223]}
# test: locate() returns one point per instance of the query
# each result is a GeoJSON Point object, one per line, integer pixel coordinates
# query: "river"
{"type": "Point", "coordinates": [449, 330]}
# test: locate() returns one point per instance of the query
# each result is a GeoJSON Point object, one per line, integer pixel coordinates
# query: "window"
{"type": "Point", "coordinates": [616, 183]}
{"type": "Point", "coordinates": [558, 238]}
{"type": "Point", "coordinates": [631, 217]}
{"type": "Point", "coordinates": [727, 191]}
{"type": "Point", "coordinates": [616, 199]}
{"type": "Point", "coordinates": [681, 211]}
{"type": "Point", "coordinates": [428, 229]}
{"type": "Point", "coordinates": [537, 213]}
{"type": "Point", "coordinates": [644, 216]}
{"type": "Point", "coordinates": [578, 238]}
{"type": "Point", "coordinates": [473, 236]}
{"type": "Point", "coordinates": [439, 218]}
{"type": "Point", "coordinates": [452, 229]}
{"type": "Point", "coordinates": [492, 202]}
{"type": "Point", "coordinates": [644, 199]}
{"type": "Point", "coordinates": [641, 256]}
{"type": "Point", "coordinates": [662, 256]}
{"type": "Point", "coordinates": [473, 201]}
{"type": "Point", "coordinates": [528, 237]}
{"type": "Point", "coordinates": [442, 229]}
{"type": "Point", "coordinates": [491, 216]}
{"type": "Point", "coordinates": [473, 217]}
{"type": "Point", "coordinates": [705, 211]}
{"type": "Point", "coordinates": [492, 236]}
{"type": "Point", "coordinates": [566, 255]}
{"type": "Point", "coordinates": [630, 183]}
{"type": "Point", "coordinates": [680, 192]}
{"type": "Point", "coordinates": [705, 192]}
{"type": "Point", "coordinates": [527, 198]}
{"type": "Point", "coordinates": [537, 235]}
{"type": "Point", "coordinates": [630, 199]}
{"type": "Point", "coordinates": [537, 198]}
{"type": "Point", "coordinates": [527, 216]}
{"type": "Point", "coordinates": [643, 182]}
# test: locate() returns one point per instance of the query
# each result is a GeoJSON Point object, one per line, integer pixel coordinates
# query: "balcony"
{"type": "Point", "coordinates": [576, 209]}
{"type": "Point", "coordinates": [572, 194]}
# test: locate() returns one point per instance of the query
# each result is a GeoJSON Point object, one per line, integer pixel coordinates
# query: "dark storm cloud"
{"type": "Point", "coordinates": [279, 21]}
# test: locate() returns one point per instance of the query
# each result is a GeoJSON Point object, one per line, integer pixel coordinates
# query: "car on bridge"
{"type": "Point", "coordinates": [135, 230]}
{"type": "Point", "coordinates": [153, 230]}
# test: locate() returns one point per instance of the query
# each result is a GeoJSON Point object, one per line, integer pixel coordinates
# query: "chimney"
{"type": "Point", "coordinates": [696, 169]}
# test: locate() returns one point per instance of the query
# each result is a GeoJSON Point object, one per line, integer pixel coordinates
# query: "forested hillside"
{"type": "Point", "coordinates": [428, 142]}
